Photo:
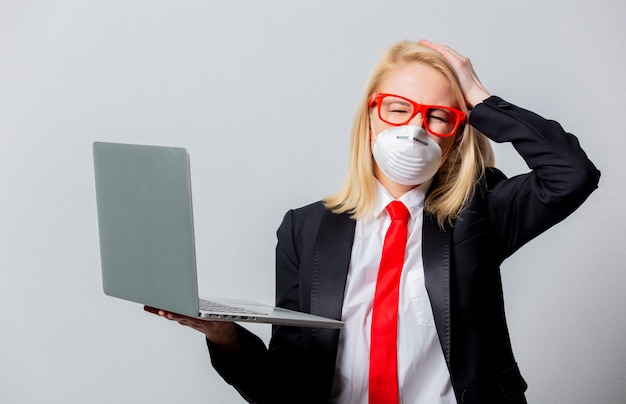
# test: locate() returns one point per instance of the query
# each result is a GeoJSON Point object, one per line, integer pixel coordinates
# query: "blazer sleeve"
{"type": "Point", "coordinates": [278, 373]}
{"type": "Point", "coordinates": [560, 180]}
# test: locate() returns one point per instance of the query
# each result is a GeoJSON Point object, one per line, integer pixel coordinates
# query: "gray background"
{"type": "Point", "coordinates": [262, 93]}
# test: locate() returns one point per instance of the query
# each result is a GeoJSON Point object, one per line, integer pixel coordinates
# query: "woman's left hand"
{"type": "Point", "coordinates": [472, 88]}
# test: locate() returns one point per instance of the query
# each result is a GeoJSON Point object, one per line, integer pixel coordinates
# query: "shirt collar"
{"type": "Point", "coordinates": [413, 199]}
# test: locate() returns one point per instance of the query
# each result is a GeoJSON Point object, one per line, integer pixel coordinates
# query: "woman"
{"type": "Point", "coordinates": [414, 140]}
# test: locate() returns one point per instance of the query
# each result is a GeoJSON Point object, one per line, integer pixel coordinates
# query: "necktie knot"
{"type": "Point", "coordinates": [397, 211]}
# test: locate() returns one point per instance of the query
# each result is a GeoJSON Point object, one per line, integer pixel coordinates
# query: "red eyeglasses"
{"type": "Point", "coordinates": [438, 120]}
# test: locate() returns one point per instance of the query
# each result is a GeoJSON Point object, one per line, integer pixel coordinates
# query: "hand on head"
{"type": "Point", "coordinates": [472, 88]}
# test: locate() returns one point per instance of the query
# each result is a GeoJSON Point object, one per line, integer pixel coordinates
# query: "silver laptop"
{"type": "Point", "coordinates": [147, 247]}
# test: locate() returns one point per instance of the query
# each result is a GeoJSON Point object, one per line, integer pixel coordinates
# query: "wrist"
{"type": "Point", "coordinates": [223, 335]}
{"type": "Point", "coordinates": [476, 97]}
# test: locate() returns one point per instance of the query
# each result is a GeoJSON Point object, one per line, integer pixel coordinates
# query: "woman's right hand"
{"type": "Point", "coordinates": [221, 333]}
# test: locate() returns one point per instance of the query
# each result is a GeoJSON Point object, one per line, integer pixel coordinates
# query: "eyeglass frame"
{"type": "Point", "coordinates": [461, 117]}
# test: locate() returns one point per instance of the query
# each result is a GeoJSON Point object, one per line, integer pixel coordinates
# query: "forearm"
{"type": "Point", "coordinates": [244, 368]}
{"type": "Point", "coordinates": [555, 156]}
{"type": "Point", "coordinates": [561, 175]}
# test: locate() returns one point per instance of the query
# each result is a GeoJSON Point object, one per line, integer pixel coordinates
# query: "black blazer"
{"type": "Point", "coordinates": [461, 268]}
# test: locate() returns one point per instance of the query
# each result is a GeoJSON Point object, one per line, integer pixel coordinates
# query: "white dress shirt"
{"type": "Point", "coordinates": [422, 371]}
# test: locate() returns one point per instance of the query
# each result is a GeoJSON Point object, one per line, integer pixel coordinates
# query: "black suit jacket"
{"type": "Point", "coordinates": [461, 268]}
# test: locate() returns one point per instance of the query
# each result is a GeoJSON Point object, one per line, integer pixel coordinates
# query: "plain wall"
{"type": "Point", "coordinates": [262, 93]}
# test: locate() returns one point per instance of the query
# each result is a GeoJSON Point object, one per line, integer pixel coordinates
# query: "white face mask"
{"type": "Point", "coordinates": [407, 155]}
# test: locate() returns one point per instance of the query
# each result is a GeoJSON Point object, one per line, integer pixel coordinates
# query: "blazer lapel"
{"type": "Point", "coordinates": [331, 260]}
{"type": "Point", "coordinates": [333, 249]}
{"type": "Point", "coordinates": [436, 246]}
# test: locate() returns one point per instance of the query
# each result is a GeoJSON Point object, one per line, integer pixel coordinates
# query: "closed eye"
{"type": "Point", "coordinates": [397, 107]}
{"type": "Point", "coordinates": [439, 115]}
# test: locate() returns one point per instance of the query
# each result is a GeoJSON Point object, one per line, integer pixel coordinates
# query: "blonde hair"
{"type": "Point", "coordinates": [463, 166]}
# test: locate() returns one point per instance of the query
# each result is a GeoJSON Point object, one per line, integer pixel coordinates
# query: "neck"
{"type": "Point", "coordinates": [396, 190]}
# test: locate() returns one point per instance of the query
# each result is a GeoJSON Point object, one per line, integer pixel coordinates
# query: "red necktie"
{"type": "Point", "coordinates": [383, 373]}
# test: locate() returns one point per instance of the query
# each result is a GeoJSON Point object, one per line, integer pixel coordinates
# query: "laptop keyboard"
{"type": "Point", "coordinates": [210, 306]}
